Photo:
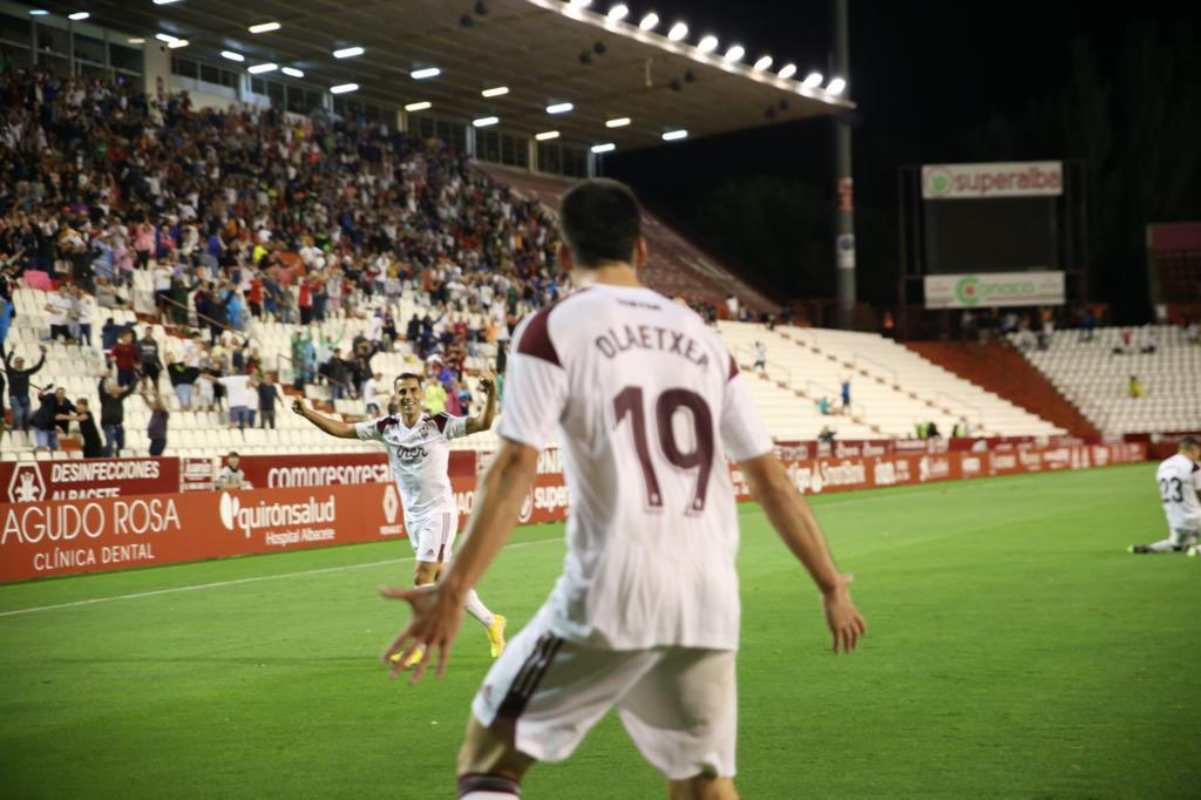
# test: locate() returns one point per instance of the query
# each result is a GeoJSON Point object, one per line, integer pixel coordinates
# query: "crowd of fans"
{"type": "Point", "coordinates": [254, 214]}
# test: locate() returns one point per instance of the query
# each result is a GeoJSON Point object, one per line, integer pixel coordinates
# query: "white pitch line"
{"type": "Point", "coordinates": [219, 584]}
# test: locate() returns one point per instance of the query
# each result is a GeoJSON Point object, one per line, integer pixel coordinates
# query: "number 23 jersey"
{"type": "Point", "coordinates": [1179, 481]}
{"type": "Point", "coordinates": [647, 404]}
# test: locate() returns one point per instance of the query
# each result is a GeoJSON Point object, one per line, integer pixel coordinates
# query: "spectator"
{"type": "Point", "coordinates": [845, 392]}
{"type": "Point", "coordinates": [824, 406]}
{"type": "Point", "coordinates": [112, 414]}
{"type": "Point", "coordinates": [79, 320]}
{"type": "Point", "coordinates": [106, 295]}
{"type": "Point", "coordinates": [1192, 333]}
{"type": "Point", "coordinates": [932, 431]}
{"type": "Point", "coordinates": [732, 306]}
{"type": "Point", "coordinates": [435, 397]}
{"type": "Point", "coordinates": [148, 352]}
{"type": "Point", "coordinates": [92, 447]}
{"type": "Point", "coordinates": [1150, 342]}
{"type": "Point", "coordinates": [156, 428]}
{"type": "Point", "coordinates": [182, 379]}
{"type": "Point", "coordinates": [127, 358]}
{"type": "Point", "coordinates": [826, 435]}
{"type": "Point", "coordinates": [371, 390]}
{"type": "Point", "coordinates": [58, 310]}
{"type": "Point", "coordinates": [1135, 388]}
{"type": "Point", "coordinates": [454, 403]}
{"type": "Point", "coordinates": [242, 398]}
{"type": "Point", "coordinates": [268, 397]}
{"type": "Point", "coordinates": [760, 356]}
{"type": "Point", "coordinates": [232, 477]}
{"type": "Point", "coordinates": [53, 410]}
{"type": "Point", "coordinates": [1088, 324]}
{"type": "Point", "coordinates": [18, 387]}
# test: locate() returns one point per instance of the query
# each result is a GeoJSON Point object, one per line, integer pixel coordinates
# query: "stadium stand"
{"type": "Point", "coordinates": [676, 267]}
{"type": "Point", "coordinates": [892, 388]}
{"type": "Point", "coordinates": [1095, 375]}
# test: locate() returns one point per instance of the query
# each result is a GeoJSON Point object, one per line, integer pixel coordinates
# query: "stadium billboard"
{"type": "Point", "coordinates": [1002, 179]}
{"type": "Point", "coordinates": [995, 289]}
{"type": "Point", "coordinates": [36, 481]}
{"type": "Point", "coordinates": [328, 469]}
{"type": "Point", "coordinates": [47, 537]}
{"type": "Point", "coordinates": [65, 537]}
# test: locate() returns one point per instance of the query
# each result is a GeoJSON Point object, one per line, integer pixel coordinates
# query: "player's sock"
{"type": "Point", "coordinates": [477, 609]}
{"type": "Point", "coordinates": [487, 787]}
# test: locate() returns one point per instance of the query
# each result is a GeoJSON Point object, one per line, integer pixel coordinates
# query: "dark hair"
{"type": "Point", "coordinates": [404, 376]}
{"type": "Point", "coordinates": [601, 222]}
{"type": "Point", "coordinates": [233, 454]}
{"type": "Point", "coordinates": [1189, 441]}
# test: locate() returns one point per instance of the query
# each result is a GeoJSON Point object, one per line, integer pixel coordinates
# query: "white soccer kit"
{"type": "Point", "coordinates": [1179, 481]}
{"type": "Point", "coordinates": [647, 403]}
{"type": "Point", "coordinates": [418, 459]}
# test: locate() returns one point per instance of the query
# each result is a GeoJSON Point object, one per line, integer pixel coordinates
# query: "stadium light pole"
{"type": "Point", "coordinates": [844, 243]}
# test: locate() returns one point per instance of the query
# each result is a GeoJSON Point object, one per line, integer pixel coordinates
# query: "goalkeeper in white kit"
{"type": "Point", "coordinates": [1179, 479]}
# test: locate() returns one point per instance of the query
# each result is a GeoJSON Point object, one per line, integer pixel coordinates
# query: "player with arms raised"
{"type": "Point", "coordinates": [418, 448]}
{"type": "Point", "coordinates": [647, 402]}
{"type": "Point", "coordinates": [1179, 481]}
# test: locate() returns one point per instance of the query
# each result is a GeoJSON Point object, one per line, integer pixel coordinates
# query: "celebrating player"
{"type": "Point", "coordinates": [1179, 480]}
{"type": "Point", "coordinates": [647, 402]}
{"type": "Point", "coordinates": [418, 448]}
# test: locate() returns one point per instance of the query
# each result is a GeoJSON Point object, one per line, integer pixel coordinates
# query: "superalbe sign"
{"type": "Point", "coordinates": [976, 181]}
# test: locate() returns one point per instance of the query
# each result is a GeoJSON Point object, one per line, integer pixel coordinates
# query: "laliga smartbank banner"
{"type": "Point", "coordinates": [991, 289]}
{"type": "Point", "coordinates": [976, 181]}
{"type": "Point", "coordinates": [42, 539]}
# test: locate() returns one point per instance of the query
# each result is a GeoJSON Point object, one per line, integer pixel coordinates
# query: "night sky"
{"type": "Point", "coordinates": [923, 74]}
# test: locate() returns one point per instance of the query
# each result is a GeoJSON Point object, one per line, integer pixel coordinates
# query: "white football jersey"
{"type": "Point", "coordinates": [647, 403]}
{"type": "Point", "coordinates": [418, 458]}
{"type": "Point", "coordinates": [1179, 480]}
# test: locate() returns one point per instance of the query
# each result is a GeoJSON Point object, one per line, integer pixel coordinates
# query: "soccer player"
{"type": "Point", "coordinates": [1179, 480]}
{"type": "Point", "coordinates": [418, 446]}
{"type": "Point", "coordinates": [647, 403]}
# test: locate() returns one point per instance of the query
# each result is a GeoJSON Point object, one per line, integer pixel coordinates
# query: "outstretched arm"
{"type": "Point", "coordinates": [438, 608]}
{"type": "Point", "coordinates": [343, 430]}
{"type": "Point", "coordinates": [484, 421]}
{"type": "Point", "coordinates": [792, 518]}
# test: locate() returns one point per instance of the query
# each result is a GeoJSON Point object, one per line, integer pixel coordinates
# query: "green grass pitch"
{"type": "Point", "coordinates": [1015, 650]}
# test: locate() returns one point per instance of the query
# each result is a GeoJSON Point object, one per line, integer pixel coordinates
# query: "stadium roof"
{"type": "Point", "coordinates": [534, 47]}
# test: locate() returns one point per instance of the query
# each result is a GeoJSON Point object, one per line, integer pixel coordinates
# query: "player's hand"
{"type": "Point", "coordinates": [487, 379]}
{"type": "Point", "coordinates": [846, 623]}
{"type": "Point", "coordinates": [298, 406]}
{"type": "Point", "coordinates": [435, 623]}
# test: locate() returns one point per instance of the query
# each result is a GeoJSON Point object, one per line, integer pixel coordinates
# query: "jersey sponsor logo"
{"type": "Point", "coordinates": [411, 455]}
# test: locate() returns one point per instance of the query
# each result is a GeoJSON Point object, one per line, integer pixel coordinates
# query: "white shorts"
{"type": "Point", "coordinates": [1182, 527]}
{"type": "Point", "coordinates": [433, 535]}
{"type": "Point", "coordinates": [679, 705]}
